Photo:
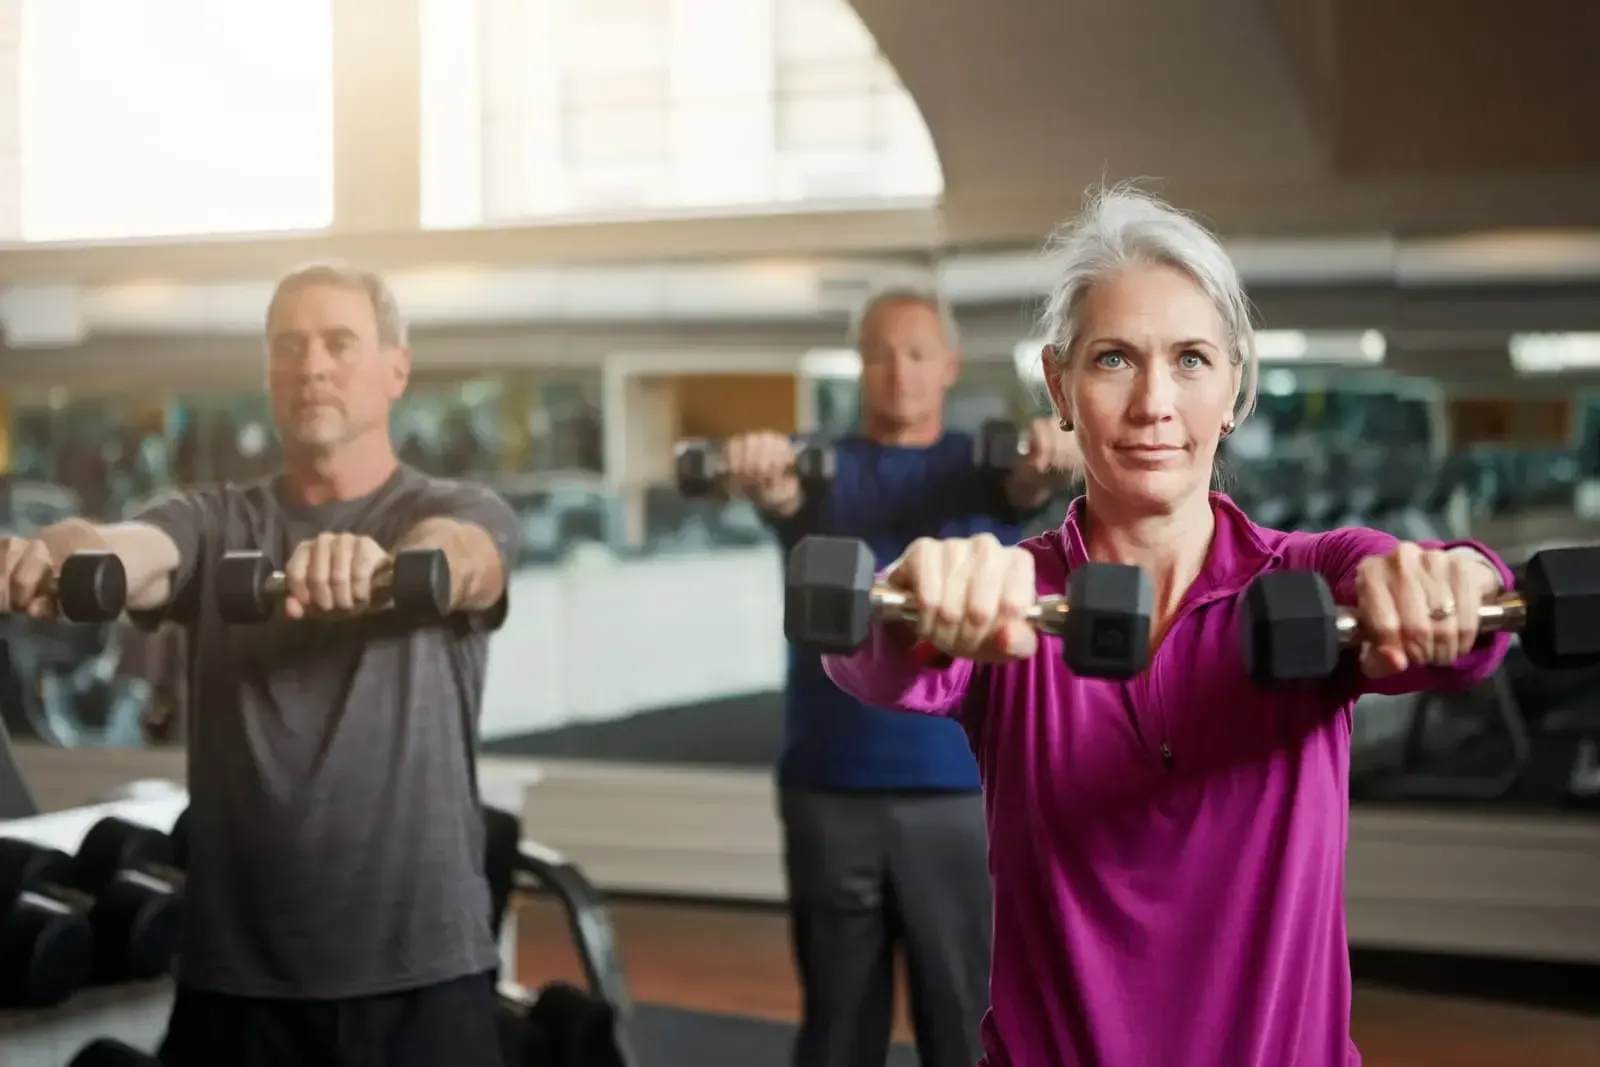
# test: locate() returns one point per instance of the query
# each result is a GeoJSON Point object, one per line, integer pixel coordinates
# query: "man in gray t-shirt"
{"type": "Point", "coordinates": [338, 911]}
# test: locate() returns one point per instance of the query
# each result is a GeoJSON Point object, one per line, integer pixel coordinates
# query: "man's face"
{"type": "Point", "coordinates": [907, 363]}
{"type": "Point", "coordinates": [330, 377]}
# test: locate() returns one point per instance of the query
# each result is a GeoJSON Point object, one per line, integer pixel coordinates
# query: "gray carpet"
{"type": "Point", "coordinates": [670, 1037]}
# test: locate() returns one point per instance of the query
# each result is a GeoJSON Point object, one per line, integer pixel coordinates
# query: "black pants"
{"type": "Point", "coordinates": [447, 1025]}
{"type": "Point", "coordinates": [871, 872]}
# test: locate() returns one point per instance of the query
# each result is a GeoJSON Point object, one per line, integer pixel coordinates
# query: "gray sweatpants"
{"type": "Point", "coordinates": [870, 872]}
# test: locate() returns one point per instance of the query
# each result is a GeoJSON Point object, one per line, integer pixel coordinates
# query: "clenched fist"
{"type": "Point", "coordinates": [333, 575]}
{"type": "Point", "coordinates": [1050, 449]}
{"type": "Point", "coordinates": [1051, 458]}
{"type": "Point", "coordinates": [761, 468]}
{"type": "Point", "coordinates": [1420, 606]}
{"type": "Point", "coordinates": [971, 595]}
{"type": "Point", "coordinates": [27, 577]}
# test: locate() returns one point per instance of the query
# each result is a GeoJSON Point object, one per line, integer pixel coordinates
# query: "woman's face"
{"type": "Point", "coordinates": [1148, 387]}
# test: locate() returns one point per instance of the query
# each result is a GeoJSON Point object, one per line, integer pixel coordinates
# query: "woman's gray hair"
{"type": "Point", "coordinates": [1122, 227]}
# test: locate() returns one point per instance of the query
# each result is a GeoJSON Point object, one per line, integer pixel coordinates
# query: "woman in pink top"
{"type": "Point", "coordinates": [1167, 852]}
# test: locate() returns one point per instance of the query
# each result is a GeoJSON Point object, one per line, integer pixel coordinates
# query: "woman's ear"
{"type": "Point", "coordinates": [1055, 381]}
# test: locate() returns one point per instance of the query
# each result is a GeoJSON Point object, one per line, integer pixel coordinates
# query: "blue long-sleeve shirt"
{"type": "Point", "coordinates": [888, 496]}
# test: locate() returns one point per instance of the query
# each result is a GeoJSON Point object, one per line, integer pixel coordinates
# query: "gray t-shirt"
{"type": "Point", "coordinates": [337, 845]}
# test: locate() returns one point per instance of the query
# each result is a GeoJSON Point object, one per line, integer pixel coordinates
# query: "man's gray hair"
{"type": "Point", "coordinates": [391, 325]}
{"type": "Point", "coordinates": [1121, 227]}
{"type": "Point", "coordinates": [903, 294]}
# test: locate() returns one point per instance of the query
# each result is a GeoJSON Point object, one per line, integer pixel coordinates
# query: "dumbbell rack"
{"type": "Point", "coordinates": [135, 1012]}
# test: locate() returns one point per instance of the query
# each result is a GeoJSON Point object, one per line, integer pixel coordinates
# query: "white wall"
{"type": "Point", "coordinates": [10, 122]}
{"type": "Point", "coordinates": [604, 639]}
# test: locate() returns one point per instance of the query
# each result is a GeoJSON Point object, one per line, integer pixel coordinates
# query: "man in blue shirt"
{"type": "Point", "coordinates": [876, 805]}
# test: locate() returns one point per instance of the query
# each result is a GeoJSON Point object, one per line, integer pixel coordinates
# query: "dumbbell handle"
{"type": "Point", "coordinates": [720, 466]}
{"type": "Point", "coordinates": [1506, 612]}
{"type": "Point", "coordinates": [1048, 613]}
{"type": "Point", "coordinates": [719, 459]}
{"type": "Point", "coordinates": [277, 583]}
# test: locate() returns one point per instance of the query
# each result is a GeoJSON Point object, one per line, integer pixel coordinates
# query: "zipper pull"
{"type": "Point", "coordinates": [1166, 755]}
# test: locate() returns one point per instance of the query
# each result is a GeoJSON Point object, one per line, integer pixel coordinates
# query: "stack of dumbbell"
{"type": "Point", "coordinates": [110, 914]}
{"type": "Point", "coordinates": [59, 928]}
{"type": "Point", "coordinates": [151, 852]}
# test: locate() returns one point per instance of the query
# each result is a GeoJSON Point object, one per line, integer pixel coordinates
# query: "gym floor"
{"type": "Point", "coordinates": [735, 960]}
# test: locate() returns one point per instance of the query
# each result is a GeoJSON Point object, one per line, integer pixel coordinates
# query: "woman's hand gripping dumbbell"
{"type": "Point", "coordinates": [1291, 631]}
{"type": "Point", "coordinates": [969, 598]}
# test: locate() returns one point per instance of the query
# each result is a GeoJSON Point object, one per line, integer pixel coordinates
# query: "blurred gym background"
{"type": "Point", "coordinates": [617, 223]}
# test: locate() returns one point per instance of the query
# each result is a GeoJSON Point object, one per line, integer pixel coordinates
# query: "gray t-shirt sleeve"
{"type": "Point", "coordinates": [484, 508]}
{"type": "Point", "coordinates": [190, 518]}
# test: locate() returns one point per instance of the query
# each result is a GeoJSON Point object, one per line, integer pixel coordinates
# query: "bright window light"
{"type": "Point", "coordinates": [1026, 358]}
{"type": "Point", "coordinates": [839, 364]}
{"type": "Point", "coordinates": [1552, 353]}
{"type": "Point", "coordinates": [1321, 346]}
{"type": "Point", "coordinates": [140, 120]}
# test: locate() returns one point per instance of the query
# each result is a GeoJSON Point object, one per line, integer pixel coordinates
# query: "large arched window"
{"type": "Point", "coordinates": [541, 108]}
{"type": "Point", "coordinates": [146, 118]}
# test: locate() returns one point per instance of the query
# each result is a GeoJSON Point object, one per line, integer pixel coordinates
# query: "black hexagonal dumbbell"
{"type": "Point", "coordinates": [46, 941]}
{"type": "Point", "coordinates": [415, 581]}
{"type": "Point", "coordinates": [699, 466]}
{"type": "Point", "coordinates": [832, 597]}
{"type": "Point", "coordinates": [1560, 594]}
{"type": "Point", "coordinates": [1291, 631]}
